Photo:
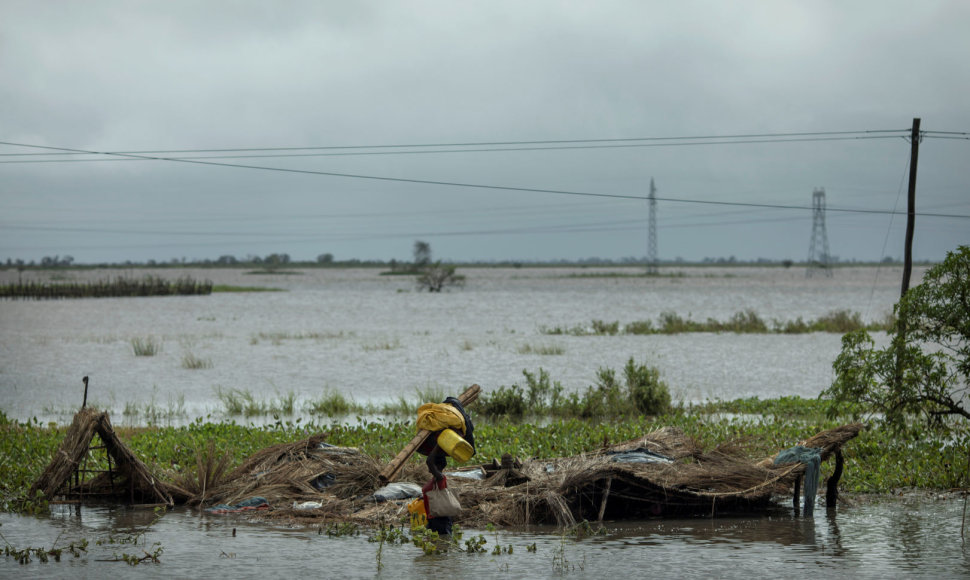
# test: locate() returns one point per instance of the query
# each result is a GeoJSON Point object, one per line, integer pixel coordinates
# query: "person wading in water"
{"type": "Point", "coordinates": [437, 418]}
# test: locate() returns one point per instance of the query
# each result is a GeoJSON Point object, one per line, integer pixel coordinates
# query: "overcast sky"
{"type": "Point", "coordinates": [172, 76]}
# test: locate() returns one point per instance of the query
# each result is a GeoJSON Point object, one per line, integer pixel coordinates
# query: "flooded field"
{"type": "Point", "coordinates": [911, 537]}
{"type": "Point", "coordinates": [376, 338]}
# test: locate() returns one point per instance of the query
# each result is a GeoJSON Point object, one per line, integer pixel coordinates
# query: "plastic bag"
{"type": "Point", "coordinates": [442, 503]}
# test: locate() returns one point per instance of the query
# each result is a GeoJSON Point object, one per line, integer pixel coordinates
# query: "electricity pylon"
{"type": "Point", "coordinates": [652, 231]}
{"type": "Point", "coordinates": [818, 249]}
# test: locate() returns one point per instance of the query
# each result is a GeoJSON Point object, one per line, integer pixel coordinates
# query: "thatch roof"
{"type": "Point", "coordinates": [559, 491]}
{"type": "Point", "coordinates": [563, 491]}
{"type": "Point", "coordinates": [307, 470]}
{"type": "Point", "coordinates": [126, 479]}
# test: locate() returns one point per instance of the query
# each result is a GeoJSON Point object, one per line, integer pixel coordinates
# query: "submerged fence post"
{"type": "Point", "coordinates": [796, 499]}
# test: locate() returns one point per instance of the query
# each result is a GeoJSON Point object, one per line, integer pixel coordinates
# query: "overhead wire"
{"type": "Point", "coordinates": [470, 185]}
{"type": "Point", "coordinates": [138, 157]}
{"type": "Point", "coordinates": [488, 143]}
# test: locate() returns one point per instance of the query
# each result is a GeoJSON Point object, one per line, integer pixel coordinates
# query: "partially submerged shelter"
{"type": "Point", "coordinates": [661, 473]}
{"type": "Point", "coordinates": [93, 464]}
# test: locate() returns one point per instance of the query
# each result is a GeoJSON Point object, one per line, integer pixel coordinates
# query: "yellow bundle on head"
{"type": "Point", "coordinates": [438, 416]}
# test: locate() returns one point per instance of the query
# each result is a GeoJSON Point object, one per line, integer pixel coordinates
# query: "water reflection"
{"type": "Point", "coordinates": [870, 541]}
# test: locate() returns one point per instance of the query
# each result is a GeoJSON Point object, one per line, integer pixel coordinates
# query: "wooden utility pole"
{"type": "Point", "coordinates": [900, 339]}
{"type": "Point", "coordinates": [911, 208]}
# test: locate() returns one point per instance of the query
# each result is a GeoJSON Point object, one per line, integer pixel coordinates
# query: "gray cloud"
{"type": "Point", "coordinates": [114, 76]}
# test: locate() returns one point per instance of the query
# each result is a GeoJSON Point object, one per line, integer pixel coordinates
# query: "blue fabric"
{"type": "Point", "coordinates": [639, 455]}
{"type": "Point", "coordinates": [248, 504]}
{"type": "Point", "coordinates": [812, 458]}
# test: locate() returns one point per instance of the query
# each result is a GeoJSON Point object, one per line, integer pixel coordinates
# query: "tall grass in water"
{"type": "Point", "coordinates": [154, 413]}
{"type": "Point", "coordinates": [146, 346]}
{"type": "Point", "coordinates": [243, 402]}
{"type": "Point", "coordinates": [405, 407]}
{"type": "Point", "coordinates": [543, 349]}
{"type": "Point", "coordinates": [744, 322]}
{"type": "Point", "coordinates": [192, 362]}
{"type": "Point", "coordinates": [119, 287]}
{"type": "Point", "coordinates": [332, 404]}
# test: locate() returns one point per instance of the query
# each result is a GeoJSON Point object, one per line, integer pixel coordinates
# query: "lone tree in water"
{"type": "Point", "coordinates": [926, 367]}
{"type": "Point", "coordinates": [433, 277]}
{"type": "Point", "coordinates": [436, 276]}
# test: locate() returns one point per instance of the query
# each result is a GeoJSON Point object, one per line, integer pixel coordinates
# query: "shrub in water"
{"type": "Point", "coordinates": [649, 394]}
{"type": "Point", "coordinates": [505, 401]}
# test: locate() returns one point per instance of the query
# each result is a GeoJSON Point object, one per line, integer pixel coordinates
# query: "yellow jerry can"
{"type": "Point", "coordinates": [459, 449]}
{"type": "Point", "coordinates": [419, 516]}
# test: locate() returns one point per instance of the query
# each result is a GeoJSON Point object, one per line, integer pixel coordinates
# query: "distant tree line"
{"type": "Point", "coordinates": [422, 258]}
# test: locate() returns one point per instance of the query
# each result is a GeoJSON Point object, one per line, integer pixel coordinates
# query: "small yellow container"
{"type": "Point", "coordinates": [419, 517]}
{"type": "Point", "coordinates": [459, 449]}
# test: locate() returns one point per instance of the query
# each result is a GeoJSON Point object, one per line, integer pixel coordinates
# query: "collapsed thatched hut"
{"type": "Point", "coordinates": [73, 474]}
{"type": "Point", "coordinates": [661, 473]}
{"type": "Point", "coordinates": [310, 481]}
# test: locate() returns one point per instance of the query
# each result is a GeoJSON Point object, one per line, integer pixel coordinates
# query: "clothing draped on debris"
{"type": "Point", "coordinates": [812, 458]}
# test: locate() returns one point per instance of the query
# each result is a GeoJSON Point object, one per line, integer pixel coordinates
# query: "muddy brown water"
{"type": "Point", "coordinates": [375, 338]}
{"type": "Point", "coordinates": [902, 537]}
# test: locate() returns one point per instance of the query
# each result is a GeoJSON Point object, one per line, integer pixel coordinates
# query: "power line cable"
{"type": "Point", "coordinates": [486, 143]}
{"type": "Point", "coordinates": [885, 241]}
{"type": "Point", "coordinates": [471, 185]}
{"type": "Point", "coordinates": [435, 151]}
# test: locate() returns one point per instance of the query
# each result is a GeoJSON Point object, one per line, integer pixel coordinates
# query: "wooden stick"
{"type": "Point", "coordinates": [832, 488]}
{"type": "Point", "coordinates": [391, 470]}
{"type": "Point", "coordinates": [606, 494]}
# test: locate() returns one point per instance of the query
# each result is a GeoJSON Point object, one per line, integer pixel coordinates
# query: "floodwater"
{"type": "Point", "coordinates": [376, 338]}
{"type": "Point", "coordinates": [909, 537]}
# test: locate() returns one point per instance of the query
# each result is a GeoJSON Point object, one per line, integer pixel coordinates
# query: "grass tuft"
{"type": "Point", "coordinates": [192, 362]}
{"type": "Point", "coordinates": [332, 404]}
{"type": "Point", "coordinates": [744, 322]}
{"type": "Point", "coordinates": [542, 349]}
{"type": "Point", "coordinates": [146, 346]}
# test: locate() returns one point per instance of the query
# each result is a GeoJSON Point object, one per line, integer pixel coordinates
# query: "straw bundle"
{"type": "Point", "coordinates": [285, 473]}
{"type": "Point", "coordinates": [591, 486]}
{"type": "Point", "coordinates": [129, 477]}
{"type": "Point", "coordinates": [558, 491]}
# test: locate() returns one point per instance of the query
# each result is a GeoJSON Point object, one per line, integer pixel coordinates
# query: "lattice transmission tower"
{"type": "Point", "coordinates": [652, 231]}
{"type": "Point", "coordinates": [818, 248]}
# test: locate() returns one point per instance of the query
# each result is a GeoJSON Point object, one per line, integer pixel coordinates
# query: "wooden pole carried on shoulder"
{"type": "Point", "coordinates": [392, 469]}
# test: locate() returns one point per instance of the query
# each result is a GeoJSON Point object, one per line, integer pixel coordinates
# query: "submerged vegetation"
{"type": "Point", "coordinates": [879, 460]}
{"type": "Point", "coordinates": [230, 288]}
{"type": "Point", "coordinates": [746, 322]}
{"type": "Point", "coordinates": [642, 393]}
{"type": "Point", "coordinates": [243, 402]}
{"type": "Point", "coordinates": [541, 349]}
{"type": "Point", "coordinates": [119, 287]}
{"type": "Point", "coordinates": [192, 362]}
{"type": "Point", "coordinates": [149, 346]}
